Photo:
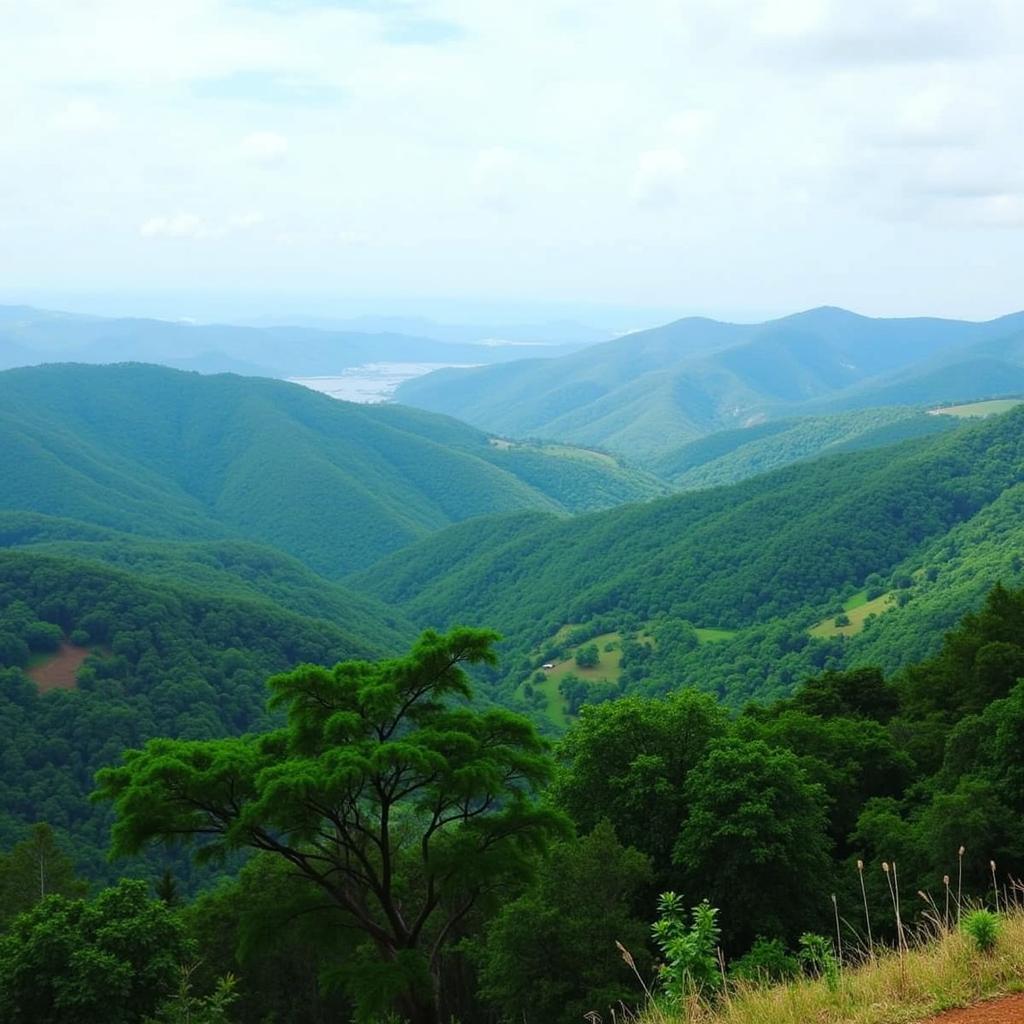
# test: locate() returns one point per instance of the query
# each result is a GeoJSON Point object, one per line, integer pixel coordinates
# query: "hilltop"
{"type": "Point", "coordinates": [646, 393]}
{"type": "Point", "coordinates": [162, 453]}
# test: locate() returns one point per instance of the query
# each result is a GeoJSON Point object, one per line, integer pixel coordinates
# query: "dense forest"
{"type": "Point", "coordinates": [762, 560]}
{"type": "Point", "coordinates": [156, 452]}
{"type": "Point", "coordinates": [214, 756]}
{"type": "Point", "coordinates": [470, 871]}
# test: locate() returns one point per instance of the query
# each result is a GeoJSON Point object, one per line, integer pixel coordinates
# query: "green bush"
{"type": "Point", "coordinates": [767, 962]}
{"type": "Point", "coordinates": [819, 959]}
{"type": "Point", "coordinates": [982, 928]}
{"type": "Point", "coordinates": [689, 951]}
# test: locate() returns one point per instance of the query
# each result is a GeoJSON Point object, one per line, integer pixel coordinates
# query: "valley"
{"type": "Point", "coordinates": [169, 540]}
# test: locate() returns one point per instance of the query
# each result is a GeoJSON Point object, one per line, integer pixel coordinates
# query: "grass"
{"type": "Point", "coordinates": [857, 609]}
{"type": "Point", "coordinates": [934, 975]}
{"type": "Point", "coordinates": [714, 636]}
{"type": "Point", "coordinates": [607, 670]}
{"type": "Point", "coordinates": [974, 409]}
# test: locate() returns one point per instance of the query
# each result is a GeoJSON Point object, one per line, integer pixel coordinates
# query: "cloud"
{"type": "Point", "coordinates": [192, 226]}
{"type": "Point", "coordinates": [418, 31]}
{"type": "Point", "coordinates": [658, 177]}
{"type": "Point", "coordinates": [264, 147]}
{"type": "Point", "coordinates": [497, 177]}
{"type": "Point", "coordinates": [269, 87]}
{"type": "Point", "coordinates": [82, 117]}
{"type": "Point", "coordinates": [871, 32]}
{"type": "Point", "coordinates": [180, 225]}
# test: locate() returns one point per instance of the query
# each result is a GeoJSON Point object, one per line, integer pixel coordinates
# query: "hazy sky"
{"type": "Point", "coordinates": [729, 157]}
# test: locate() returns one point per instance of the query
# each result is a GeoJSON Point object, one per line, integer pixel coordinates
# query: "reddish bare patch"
{"type": "Point", "coordinates": [996, 1011]}
{"type": "Point", "coordinates": [61, 671]}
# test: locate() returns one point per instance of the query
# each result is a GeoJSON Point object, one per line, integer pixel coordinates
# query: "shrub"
{"type": "Point", "coordinates": [767, 962]}
{"type": "Point", "coordinates": [982, 928]}
{"type": "Point", "coordinates": [689, 950]}
{"type": "Point", "coordinates": [818, 958]}
{"type": "Point", "coordinates": [80, 637]}
{"type": "Point", "coordinates": [43, 636]}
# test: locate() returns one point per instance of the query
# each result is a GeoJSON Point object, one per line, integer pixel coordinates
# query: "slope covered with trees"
{"type": "Point", "coordinates": [441, 862]}
{"type": "Point", "coordinates": [164, 658]}
{"type": "Point", "coordinates": [156, 452]}
{"type": "Point", "coordinates": [767, 557]}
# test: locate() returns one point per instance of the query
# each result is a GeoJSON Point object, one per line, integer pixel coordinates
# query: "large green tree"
{"type": "Point", "coordinates": [401, 805]}
{"type": "Point", "coordinates": [627, 761]}
{"type": "Point", "coordinates": [755, 841]}
{"type": "Point", "coordinates": [550, 955]}
{"type": "Point", "coordinates": [109, 960]}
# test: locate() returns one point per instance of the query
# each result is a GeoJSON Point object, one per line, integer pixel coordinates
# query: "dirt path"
{"type": "Point", "coordinates": [59, 672]}
{"type": "Point", "coordinates": [997, 1011]}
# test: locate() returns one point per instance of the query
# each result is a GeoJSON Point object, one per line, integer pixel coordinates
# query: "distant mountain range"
{"type": "Point", "coordinates": [30, 336]}
{"type": "Point", "coordinates": [645, 394]}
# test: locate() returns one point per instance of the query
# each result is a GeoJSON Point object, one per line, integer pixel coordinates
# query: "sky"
{"type": "Point", "coordinates": [624, 160]}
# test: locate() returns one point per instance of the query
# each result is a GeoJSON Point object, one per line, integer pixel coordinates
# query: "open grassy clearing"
{"type": "Point", "coordinates": [607, 670]}
{"type": "Point", "coordinates": [937, 975]}
{"type": "Point", "coordinates": [564, 451]}
{"type": "Point", "coordinates": [714, 636]}
{"type": "Point", "coordinates": [857, 611]}
{"type": "Point", "coordinates": [975, 409]}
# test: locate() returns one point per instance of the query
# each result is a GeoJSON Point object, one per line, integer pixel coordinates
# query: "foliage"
{"type": "Point", "coordinates": [168, 660]}
{"type": "Point", "coordinates": [819, 958]}
{"type": "Point", "coordinates": [982, 927]}
{"type": "Point", "coordinates": [766, 962]}
{"type": "Point", "coordinates": [35, 868]}
{"type": "Point", "coordinates": [108, 960]}
{"type": "Point", "coordinates": [404, 808]}
{"type": "Point", "coordinates": [550, 955]}
{"type": "Point", "coordinates": [689, 949]}
{"type": "Point", "coordinates": [185, 1008]}
{"type": "Point", "coordinates": [588, 656]}
{"type": "Point", "coordinates": [755, 827]}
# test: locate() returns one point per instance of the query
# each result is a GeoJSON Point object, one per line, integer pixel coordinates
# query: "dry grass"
{"type": "Point", "coordinates": [934, 975]}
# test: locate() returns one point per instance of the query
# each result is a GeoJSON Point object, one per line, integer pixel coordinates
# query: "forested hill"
{"type": "Point", "coordinates": [166, 454]}
{"type": "Point", "coordinates": [646, 393]}
{"type": "Point", "coordinates": [790, 543]}
{"type": "Point", "coordinates": [161, 658]}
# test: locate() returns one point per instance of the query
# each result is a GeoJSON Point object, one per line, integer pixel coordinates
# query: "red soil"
{"type": "Point", "coordinates": [61, 671]}
{"type": "Point", "coordinates": [996, 1011]}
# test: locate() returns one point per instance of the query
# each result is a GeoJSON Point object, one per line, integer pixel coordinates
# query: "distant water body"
{"type": "Point", "coordinates": [371, 382]}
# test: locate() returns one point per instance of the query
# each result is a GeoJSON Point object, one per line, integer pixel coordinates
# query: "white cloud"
{"type": "Point", "coordinates": [190, 225]}
{"type": "Point", "coordinates": [82, 117]}
{"type": "Point", "coordinates": [659, 177]}
{"type": "Point", "coordinates": [180, 225]}
{"type": "Point", "coordinates": [498, 176]}
{"type": "Point", "coordinates": [245, 221]}
{"type": "Point", "coordinates": [264, 147]}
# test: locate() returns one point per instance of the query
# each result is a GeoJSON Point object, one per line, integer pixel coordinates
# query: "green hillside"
{"type": "Point", "coordinates": [152, 451]}
{"type": "Point", "coordinates": [732, 455]}
{"type": "Point", "coordinates": [166, 658]}
{"type": "Point", "coordinates": [768, 557]}
{"type": "Point", "coordinates": [645, 394]}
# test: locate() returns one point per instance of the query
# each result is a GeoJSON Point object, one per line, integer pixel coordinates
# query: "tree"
{"type": "Point", "coordinates": [755, 828]}
{"type": "Point", "coordinates": [550, 955]}
{"type": "Point", "coordinates": [401, 805]}
{"type": "Point", "coordinates": [109, 960]}
{"type": "Point", "coordinates": [34, 869]}
{"type": "Point", "coordinates": [627, 761]}
{"type": "Point", "coordinates": [588, 656]}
